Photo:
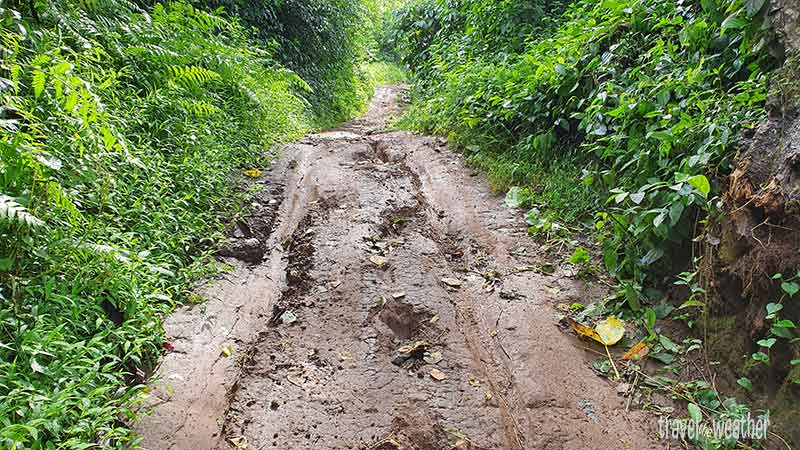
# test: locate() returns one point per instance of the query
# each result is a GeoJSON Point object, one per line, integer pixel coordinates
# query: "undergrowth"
{"type": "Point", "coordinates": [120, 130]}
{"type": "Point", "coordinates": [624, 115]}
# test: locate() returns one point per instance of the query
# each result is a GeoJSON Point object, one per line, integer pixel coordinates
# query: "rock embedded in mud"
{"type": "Point", "coordinates": [249, 250]}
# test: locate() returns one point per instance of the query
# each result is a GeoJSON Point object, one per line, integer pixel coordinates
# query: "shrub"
{"type": "Point", "coordinates": [120, 129]}
{"type": "Point", "coordinates": [648, 97]}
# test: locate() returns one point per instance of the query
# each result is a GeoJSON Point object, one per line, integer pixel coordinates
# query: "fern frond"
{"type": "Point", "coordinates": [38, 80]}
{"type": "Point", "coordinates": [192, 76]}
{"type": "Point", "coordinates": [201, 108]}
{"type": "Point", "coordinates": [13, 212]}
{"type": "Point", "coordinates": [208, 22]}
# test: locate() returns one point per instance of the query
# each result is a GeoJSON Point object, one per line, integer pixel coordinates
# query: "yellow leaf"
{"type": "Point", "coordinates": [253, 173]}
{"type": "Point", "coordinates": [584, 330]}
{"type": "Point", "coordinates": [610, 330]}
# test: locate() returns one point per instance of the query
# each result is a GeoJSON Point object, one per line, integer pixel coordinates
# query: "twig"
{"type": "Point", "coordinates": [781, 439]}
{"type": "Point", "coordinates": [612, 362]}
{"type": "Point", "coordinates": [632, 391]}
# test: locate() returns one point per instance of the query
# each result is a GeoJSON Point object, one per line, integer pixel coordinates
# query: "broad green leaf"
{"type": "Point", "coordinates": [650, 319]}
{"type": "Point", "coordinates": [791, 288]}
{"type": "Point", "coordinates": [733, 22]}
{"type": "Point", "coordinates": [768, 343]}
{"type": "Point", "coordinates": [668, 344]}
{"type": "Point", "coordinates": [760, 357]}
{"type": "Point", "coordinates": [786, 323]}
{"type": "Point", "coordinates": [773, 309]}
{"type": "Point", "coordinates": [745, 383]}
{"type": "Point", "coordinates": [700, 182]}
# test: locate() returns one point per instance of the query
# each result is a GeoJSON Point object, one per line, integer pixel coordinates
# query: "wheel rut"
{"type": "Point", "coordinates": [390, 312]}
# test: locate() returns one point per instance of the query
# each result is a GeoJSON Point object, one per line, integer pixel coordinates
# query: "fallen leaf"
{"type": "Point", "coordinates": [227, 351]}
{"type": "Point", "coordinates": [240, 443]}
{"type": "Point", "coordinates": [433, 358]}
{"type": "Point", "coordinates": [253, 173]}
{"type": "Point", "coordinates": [637, 352]}
{"type": "Point", "coordinates": [379, 261]}
{"type": "Point", "coordinates": [583, 330]}
{"type": "Point", "coordinates": [474, 382]}
{"type": "Point", "coordinates": [452, 282]}
{"type": "Point", "coordinates": [398, 295]}
{"type": "Point", "coordinates": [610, 330]}
{"type": "Point", "coordinates": [288, 318]}
{"type": "Point", "coordinates": [438, 375]}
{"type": "Point", "coordinates": [434, 319]}
{"type": "Point", "coordinates": [415, 347]}
{"type": "Point", "coordinates": [462, 445]}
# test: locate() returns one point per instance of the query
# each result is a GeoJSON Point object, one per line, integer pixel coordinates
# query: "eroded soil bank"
{"type": "Point", "coordinates": [398, 306]}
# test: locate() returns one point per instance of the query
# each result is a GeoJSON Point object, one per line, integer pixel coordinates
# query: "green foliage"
{"type": "Point", "coordinates": [782, 332]}
{"type": "Point", "coordinates": [323, 41]}
{"type": "Point", "coordinates": [119, 131]}
{"type": "Point", "coordinates": [647, 98]}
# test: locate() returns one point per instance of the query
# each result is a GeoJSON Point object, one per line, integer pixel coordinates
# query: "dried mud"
{"type": "Point", "coordinates": [389, 311]}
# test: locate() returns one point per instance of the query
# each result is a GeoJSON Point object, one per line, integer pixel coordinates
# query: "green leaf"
{"type": "Point", "coordinates": [666, 358]}
{"type": "Point", "coordinates": [632, 296]}
{"type": "Point", "coordinates": [650, 319]}
{"type": "Point", "coordinates": [733, 22]}
{"type": "Point", "coordinates": [768, 343]}
{"type": "Point", "coordinates": [745, 383]}
{"type": "Point", "coordinates": [781, 332]}
{"type": "Point", "coordinates": [754, 6]}
{"type": "Point", "coordinates": [517, 197]}
{"type": "Point", "coordinates": [795, 362]}
{"type": "Point", "coordinates": [668, 344]}
{"type": "Point", "coordinates": [785, 324]}
{"type": "Point", "coordinates": [675, 212]}
{"type": "Point", "coordinates": [700, 182]}
{"type": "Point", "coordinates": [773, 309]}
{"type": "Point", "coordinates": [692, 304]}
{"type": "Point", "coordinates": [760, 357]}
{"type": "Point", "coordinates": [38, 82]}
{"type": "Point", "coordinates": [695, 413]}
{"type": "Point", "coordinates": [580, 256]}
{"type": "Point", "coordinates": [790, 288]}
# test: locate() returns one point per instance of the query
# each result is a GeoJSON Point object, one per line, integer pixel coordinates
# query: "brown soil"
{"type": "Point", "coordinates": [353, 333]}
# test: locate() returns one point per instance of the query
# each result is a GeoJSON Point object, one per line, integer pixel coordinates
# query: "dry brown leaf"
{"type": "Point", "coordinates": [637, 352]}
{"type": "Point", "coordinates": [438, 375]}
{"type": "Point", "coordinates": [452, 282]}
{"type": "Point", "coordinates": [379, 261]}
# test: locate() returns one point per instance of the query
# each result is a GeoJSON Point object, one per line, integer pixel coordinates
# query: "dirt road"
{"type": "Point", "coordinates": [397, 306]}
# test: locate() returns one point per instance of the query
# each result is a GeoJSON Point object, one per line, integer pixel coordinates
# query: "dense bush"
{"type": "Point", "coordinates": [119, 131]}
{"type": "Point", "coordinates": [323, 41]}
{"type": "Point", "coordinates": [640, 102]}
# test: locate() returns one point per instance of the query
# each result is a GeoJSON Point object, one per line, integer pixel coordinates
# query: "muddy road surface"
{"type": "Point", "coordinates": [397, 305]}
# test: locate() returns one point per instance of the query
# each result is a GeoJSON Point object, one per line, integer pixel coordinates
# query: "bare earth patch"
{"type": "Point", "coordinates": [390, 311]}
